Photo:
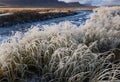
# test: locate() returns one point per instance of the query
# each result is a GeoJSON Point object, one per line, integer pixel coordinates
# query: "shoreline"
{"type": "Point", "coordinates": [26, 16]}
{"type": "Point", "coordinates": [45, 8]}
{"type": "Point", "coordinates": [16, 15]}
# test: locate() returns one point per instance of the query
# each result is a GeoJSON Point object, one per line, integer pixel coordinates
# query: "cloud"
{"type": "Point", "coordinates": [94, 2]}
{"type": "Point", "coordinates": [69, 1]}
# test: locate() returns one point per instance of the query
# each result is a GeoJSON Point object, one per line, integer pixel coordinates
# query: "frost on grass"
{"type": "Point", "coordinates": [65, 52]}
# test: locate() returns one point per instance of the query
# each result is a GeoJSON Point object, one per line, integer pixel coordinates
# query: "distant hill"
{"type": "Point", "coordinates": [39, 3]}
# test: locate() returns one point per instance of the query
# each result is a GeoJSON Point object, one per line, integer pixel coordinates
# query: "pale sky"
{"type": "Point", "coordinates": [94, 2]}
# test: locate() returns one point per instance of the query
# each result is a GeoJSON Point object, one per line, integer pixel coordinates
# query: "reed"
{"type": "Point", "coordinates": [65, 53]}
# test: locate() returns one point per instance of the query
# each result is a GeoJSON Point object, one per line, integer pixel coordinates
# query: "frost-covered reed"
{"type": "Point", "coordinates": [65, 52]}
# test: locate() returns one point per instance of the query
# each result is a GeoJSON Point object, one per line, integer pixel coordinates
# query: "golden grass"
{"type": "Point", "coordinates": [42, 9]}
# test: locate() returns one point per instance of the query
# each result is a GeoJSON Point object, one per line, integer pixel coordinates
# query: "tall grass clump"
{"type": "Point", "coordinates": [64, 52]}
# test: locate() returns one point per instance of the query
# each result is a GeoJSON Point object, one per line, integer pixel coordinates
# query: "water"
{"type": "Point", "coordinates": [78, 19]}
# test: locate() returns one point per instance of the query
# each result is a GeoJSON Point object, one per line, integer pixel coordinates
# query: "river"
{"type": "Point", "coordinates": [78, 19]}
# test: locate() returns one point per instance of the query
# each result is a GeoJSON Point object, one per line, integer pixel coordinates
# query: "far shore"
{"type": "Point", "coordinates": [15, 9]}
{"type": "Point", "coordinates": [12, 16]}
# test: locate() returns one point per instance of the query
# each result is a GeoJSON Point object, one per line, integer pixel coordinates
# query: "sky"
{"type": "Point", "coordinates": [95, 2]}
{"type": "Point", "coordinates": [37, 3]}
{"type": "Point", "coordinates": [59, 3]}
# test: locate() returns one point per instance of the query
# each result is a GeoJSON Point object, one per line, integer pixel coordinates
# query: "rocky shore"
{"type": "Point", "coordinates": [20, 17]}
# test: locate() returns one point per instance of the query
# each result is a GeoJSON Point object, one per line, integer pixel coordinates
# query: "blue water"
{"type": "Point", "coordinates": [78, 19]}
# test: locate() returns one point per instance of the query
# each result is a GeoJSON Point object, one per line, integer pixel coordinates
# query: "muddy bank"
{"type": "Point", "coordinates": [20, 17]}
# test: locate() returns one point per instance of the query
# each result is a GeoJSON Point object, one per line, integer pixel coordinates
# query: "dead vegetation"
{"type": "Point", "coordinates": [30, 15]}
{"type": "Point", "coordinates": [64, 52]}
{"type": "Point", "coordinates": [43, 9]}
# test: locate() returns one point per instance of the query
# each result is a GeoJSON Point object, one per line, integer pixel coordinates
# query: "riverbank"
{"type": "Point", "coordinates": [9, 17]}
{"type": "Point", "coordinates": [16, 9]}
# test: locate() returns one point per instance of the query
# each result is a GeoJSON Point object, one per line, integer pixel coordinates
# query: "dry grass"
{"type": "Point", "coordinates": [19, 16]}
{"type": "Point", "coordinates": [41, 9]}
{"type": "Point", "coordinates": [64, 52]}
